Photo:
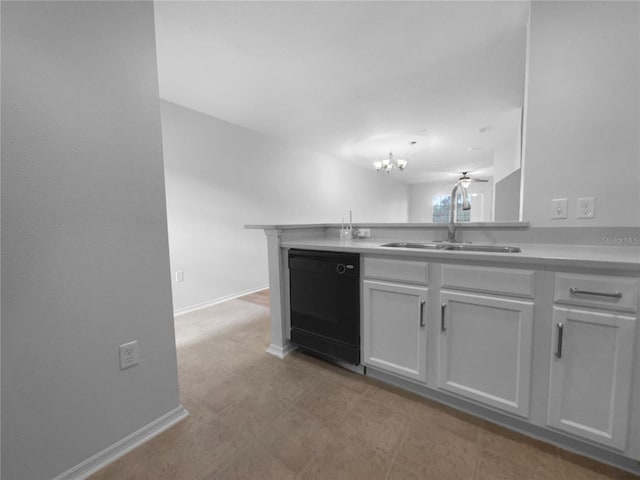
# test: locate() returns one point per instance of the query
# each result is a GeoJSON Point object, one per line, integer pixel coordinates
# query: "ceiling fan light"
{"type": "Point", "coordinates": [378, 166]}
{"type": "Point", "coordinates": [402, 164]}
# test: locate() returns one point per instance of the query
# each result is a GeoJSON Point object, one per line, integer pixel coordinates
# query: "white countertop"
{"type": "Point", "coordinates": [622, 259]}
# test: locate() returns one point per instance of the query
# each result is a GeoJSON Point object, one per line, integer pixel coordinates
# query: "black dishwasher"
{"type": "Point", "coordinates": [325, 303]}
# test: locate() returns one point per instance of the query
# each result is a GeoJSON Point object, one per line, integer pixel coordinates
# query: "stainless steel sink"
{"type": "Point", "coordinates": [483, 248]}
{"type": "Point", "coordinates": [427, 246]}
{"type": "Point", "coordinates": [459, 247]}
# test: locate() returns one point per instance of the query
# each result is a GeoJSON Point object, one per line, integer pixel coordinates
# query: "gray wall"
{"type": "Point", "coordinates": [221, 177]}
{"type": "Point", "coordinates": [507, 198]}
{"type": "Point", "coordinates": [85, 264]}
{"type": "Point", "coordinates": [583, 112]}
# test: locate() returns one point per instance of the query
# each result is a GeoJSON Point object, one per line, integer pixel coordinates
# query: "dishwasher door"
{"type": "Point", "coordinates": [325, 303]}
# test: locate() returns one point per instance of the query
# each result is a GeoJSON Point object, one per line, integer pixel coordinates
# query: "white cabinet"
{"type": "Point", "coordinates": [591, 374]}
{"type": "Point", "coordinates": [485, 349]}
{"type": "Point", "coordinates": [395, 332]}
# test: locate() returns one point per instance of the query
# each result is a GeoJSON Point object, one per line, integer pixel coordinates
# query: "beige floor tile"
{"type": "Point", "coordinates": [194, 464]}
{"type": "Point", "coordinates": [400, 472]}
{"type": "Point", "coordinates": [447, 418]}
{"type": "Point", "coordinates": [572, 471]}
{"type": "Point", "coordinates": [495, 466]}
{"type": "Point", "coordinates": [574, 465]}
{"type": "Point", "coordinates": [506, 443]}
{"type": "Point", "coordinates": [288, 381]}
{"type": "Point", "coordinates": [307, 363]}
{"type": "Point", "coordinates": [392, 396]}
{"type": "Point", "coordinates": [196, 449]}
{"type": "Point", "coordinates": [295, 437]}
{"type": "Point", "coordinates": [231, 355]}
{"type": "Point", "coordinates": [381, 427]}
{"type": "Point", "coordinates": [223, 393]}
{"type": "Point", "coordinates": [544, 465]}
{"type": "Point", "coordinates": [436, 452]}
{"type": "Point", "coordinates": [346, 459]}
{"type": "Point", "coordinates": [345, 378]}
{"type": "Point", "coordinates": [196, 381]}
{"type": "Point", "coordinates": [328, 401]}
{"type": "Point", "coordinates": [255, 338]}
{"type": "Point", "coordinates": [184, 459]}
{"type": "Point", "coordinates": [128, 467]}
{"type": "Point", "coordinates": [253, 414]}
{"type": "Point", "coordinates": [254, 463]}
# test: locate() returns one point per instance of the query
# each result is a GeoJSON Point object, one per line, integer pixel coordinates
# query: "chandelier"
{"type": "Point", "coordinates": [392, 161]}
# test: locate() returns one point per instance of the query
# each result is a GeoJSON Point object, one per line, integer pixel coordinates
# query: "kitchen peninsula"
{"type": "Point", "coordinates": [540, 338]}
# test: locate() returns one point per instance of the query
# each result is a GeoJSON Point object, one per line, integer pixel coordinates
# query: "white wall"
{"type": "Point", "coordinates": [421, 200]}
{"type": "Point", "coordinates": [507, 154]}
{"type": "Point", "coordinates": [221, 177]}
{"type": "Point", "coordinates": [85, 264]}
{"type": "Point", "coordinates": [583, 111]}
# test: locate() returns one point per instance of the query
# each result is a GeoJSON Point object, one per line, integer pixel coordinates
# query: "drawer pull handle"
{"type": "Point", "coordinates": [443, 327]}
{"type": "Point", "coordinates": [422, 313]}
{"type": "Point", "coordinates": [560, 327]}
{"type": "Point", "coordinates": [576, 291]}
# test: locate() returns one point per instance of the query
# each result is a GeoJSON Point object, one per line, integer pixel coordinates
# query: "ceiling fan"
{"type": "Point", "coordinates": [462, 184]}
{"type": "Point", "coordinates": [465, 180]}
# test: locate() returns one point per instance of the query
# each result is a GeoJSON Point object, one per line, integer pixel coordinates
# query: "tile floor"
{"type": "Point", "coordinates": [256, 417]}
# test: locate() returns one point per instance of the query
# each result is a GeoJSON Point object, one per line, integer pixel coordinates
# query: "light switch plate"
{"type": "Point", "coordinates": [586, 207]}
{"type": "Point", "coordinates": [559, 208]}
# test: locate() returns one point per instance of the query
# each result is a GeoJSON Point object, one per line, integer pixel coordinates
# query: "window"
{"type": "Point", "coordinates": [441, 209]}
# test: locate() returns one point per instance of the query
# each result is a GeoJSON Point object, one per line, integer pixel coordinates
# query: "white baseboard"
{"type": "Point", "coordinates": [281, 352]}
{"type": "Point", "coordinates": [92, 464]}
{"type": "Point", "coordinates": [215, 301]}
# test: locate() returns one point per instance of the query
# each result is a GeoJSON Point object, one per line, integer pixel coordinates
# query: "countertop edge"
{"type": "Point", "coordinates": [484, 225]}
{"type": "Point", "coordinates": [532, 254]}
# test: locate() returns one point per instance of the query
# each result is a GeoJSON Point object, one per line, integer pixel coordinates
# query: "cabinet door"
{"type": "Point", "coordinates": [485, 350]}
{"type": "Point", "coordinates": [590, 376]}
{"type": "Point", "coordinates": [395, 332]}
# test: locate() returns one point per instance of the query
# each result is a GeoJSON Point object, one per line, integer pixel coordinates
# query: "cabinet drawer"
{"type": "Point", "coordinates": [611, 293]}
{"type": "Point", "coordinates": [502, 281]}
{"type": "Point", "coordinates": [412, 271]}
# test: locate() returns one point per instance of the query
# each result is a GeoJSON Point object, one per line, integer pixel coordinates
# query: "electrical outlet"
{"type": "Point", "coordinates": [128, 354]}
{"type": "Point", "coordinates": [364, 233]}
{"type": "Point", "coordinates": [559, 208]}
{"type": "Point", "coordinates": [180, 276]}
{"type": "Point", "coordinates": [586, 207]}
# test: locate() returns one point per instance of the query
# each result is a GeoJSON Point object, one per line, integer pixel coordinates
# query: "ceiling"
{"type": "Point", "coordinates": [353, 79]}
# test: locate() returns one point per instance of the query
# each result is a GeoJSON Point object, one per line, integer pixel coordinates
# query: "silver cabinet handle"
{"type": "Point", "coordinates": [560, 328]}
{"type": "Point", "coordinates": [422, 313]}
{"type": "Point", "coordinates": [443, 327]}
{"type": "Point", "coordinates": [576, 291]}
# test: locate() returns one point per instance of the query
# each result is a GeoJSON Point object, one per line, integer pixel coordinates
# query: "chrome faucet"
{"type": "Point", "coordinates": [466, 205]}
